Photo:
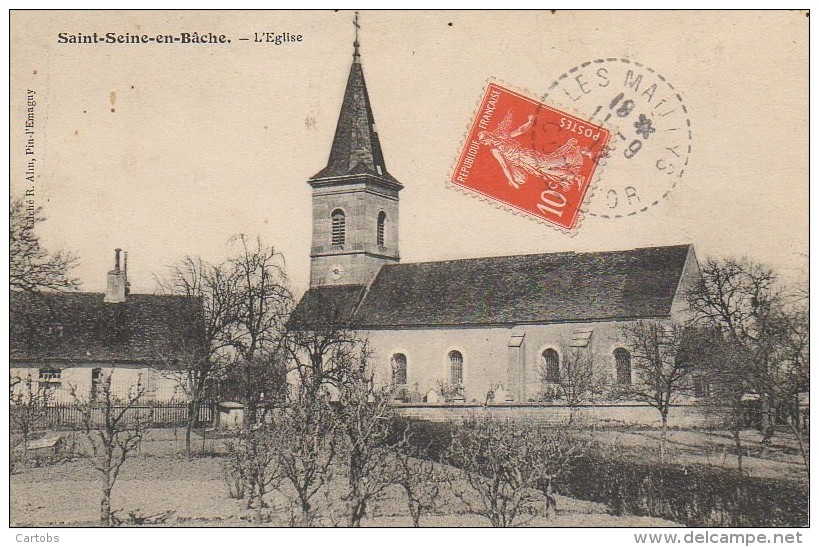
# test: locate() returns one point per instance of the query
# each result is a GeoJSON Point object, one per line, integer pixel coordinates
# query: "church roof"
{"type": "Point", "coordinates": [79, 326]}
{"type": "Point", "coordinates": [332, 305]}
{"type": "Point", "coordinates": [356, 149]}
{"type": "Point", "coordinates": [539, 288]}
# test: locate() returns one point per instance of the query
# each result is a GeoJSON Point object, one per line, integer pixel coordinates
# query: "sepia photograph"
{"type": "Point", "coordinates": [385, 268]}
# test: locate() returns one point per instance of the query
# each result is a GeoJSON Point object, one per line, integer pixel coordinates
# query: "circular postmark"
{"type": "Point", "coordinates": [651, 142]}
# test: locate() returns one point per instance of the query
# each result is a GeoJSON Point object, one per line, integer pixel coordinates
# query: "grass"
{"type": "Point", "coordinates": [780, 460]}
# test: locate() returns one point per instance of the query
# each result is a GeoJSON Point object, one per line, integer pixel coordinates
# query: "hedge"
{"type": "Point", "coordinates": [693, 495]}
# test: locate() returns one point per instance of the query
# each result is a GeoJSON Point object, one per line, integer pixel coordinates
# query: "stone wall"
{"type": "Point", "coordinates": [615, 416]}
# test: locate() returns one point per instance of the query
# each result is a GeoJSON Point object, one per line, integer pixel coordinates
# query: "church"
{"type": "Point", "coordinates": [473, 330]}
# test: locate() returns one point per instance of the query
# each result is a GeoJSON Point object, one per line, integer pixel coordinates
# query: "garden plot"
{"type": "Point", "coordinates": [159, 479]}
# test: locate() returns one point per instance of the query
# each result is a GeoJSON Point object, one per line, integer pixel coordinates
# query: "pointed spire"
{"type": "Point", "coordinates": [356, 148]}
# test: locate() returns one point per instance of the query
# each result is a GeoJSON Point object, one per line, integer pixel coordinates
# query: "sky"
{"type": "Point", "coordinates": [169, 150]}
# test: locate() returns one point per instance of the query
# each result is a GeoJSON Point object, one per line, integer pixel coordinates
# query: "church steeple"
{"type": "Point", "coordinates": [355, 199]}
{"type": "Point", "coordinates": [356, 148]}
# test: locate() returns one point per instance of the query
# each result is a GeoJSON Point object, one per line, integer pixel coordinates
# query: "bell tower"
{"type": "Point", "coordinates": [355, 199]}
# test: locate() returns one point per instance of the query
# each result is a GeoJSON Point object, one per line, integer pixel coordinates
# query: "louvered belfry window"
{"type": "Point", "coordinates": [339, 228]}
{"type": "Point", "coordinates": [382, 220]}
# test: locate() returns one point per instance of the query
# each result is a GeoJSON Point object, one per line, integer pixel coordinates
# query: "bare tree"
{"type": "Point", "coordinates": [366, 420]}
{"type": "Point", "coordinates": [732, 373]}
{"type": "Point", "coordinates": [254, 457]}
{"type": "Point", "coordinates": [764, 323]}
{"type": "Point", "coordinates": [740, 298]}
{"type": "Point", "coordinates": [197, 354]}
{"type": "Point", "coordinates": [662, 367]}
{"type": "Point", "coordinates": [113, 426]}
{"type": "Point", "coordinates": [234, 329]}
{"type": "Point", "coordinates": [29, 408]}
{"type": "Point", "coordinates": [32, 268]}
{"type": "Point", "coordinates": [579, 378]}
{"type": "Point", "coordinates": [192, 371]}
{"type": "Point", "coordinates": [306, 441]}
{"type": "Point", "coordinates": [789, 376]}
{"type": "Point", "coordinates": [422, 480]}
{"type": "Point", "coordinates": [256, 330]}
{"type": "Point", "coordinates": [510, 467]}
{"type": "Point", "coordinates": [321, 352]}
{"type": "Point", "coordinates": [319, 341]}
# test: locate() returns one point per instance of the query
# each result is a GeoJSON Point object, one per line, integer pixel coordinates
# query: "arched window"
{"type": "Point", "coordinates": [456, 367]}
{"type": "Point", "coordinates": [379, 236]}
{"type": "Point", "coordinates": [399, 369]}
{"type": "Point", "coordinates": [622, 359]}
{"type": "Point", "coordinates": [701, 387]}
{"type": "Point", "coordinates": [551, 365]}
{"type": "Point", "coordinates": [338, 227]}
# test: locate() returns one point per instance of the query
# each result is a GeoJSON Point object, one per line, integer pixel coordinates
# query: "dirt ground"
{"type": "Point", "coordinates": [161, 479]}
{"type": "Point", "coordinates": [68, 495]}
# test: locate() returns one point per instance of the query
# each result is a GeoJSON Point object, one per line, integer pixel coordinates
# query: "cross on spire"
{"type": "Point", "coordinates": [356, 149]}
{"type": "Point", "coordinates": [356, 55]}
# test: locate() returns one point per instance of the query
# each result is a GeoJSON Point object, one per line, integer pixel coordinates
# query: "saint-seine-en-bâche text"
{"type": "Point", "coordinates": [204, 38]}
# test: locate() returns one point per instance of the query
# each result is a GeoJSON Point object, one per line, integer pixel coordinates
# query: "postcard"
{"type": "Point", "coordinates": [396, 269]}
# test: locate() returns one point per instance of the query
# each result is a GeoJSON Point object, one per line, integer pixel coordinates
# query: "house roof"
{"type": "Point", "coordinates": [356, 149]}
{"type": "Point", "coordinates": [539, 288]}
{"type": "Point", "coordinates": [79, 326]}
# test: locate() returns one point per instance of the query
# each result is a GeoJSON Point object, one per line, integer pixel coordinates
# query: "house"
{"type": "Point", "coordinates": [65, 340]}
{"type": "Point", "coordinates": [465, 330]}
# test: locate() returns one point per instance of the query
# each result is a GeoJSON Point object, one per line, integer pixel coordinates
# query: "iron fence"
{"type": "Point", "coordinates": [155, 414]}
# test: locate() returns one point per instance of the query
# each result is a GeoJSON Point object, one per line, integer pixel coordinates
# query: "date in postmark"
{"type": "Point", "coordinates": [653, 143]}
{"type": "Point", "coordinates": [530, 156]}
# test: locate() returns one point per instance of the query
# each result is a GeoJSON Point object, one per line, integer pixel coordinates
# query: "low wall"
{"type": "Point", "coordinates": [679, 416]}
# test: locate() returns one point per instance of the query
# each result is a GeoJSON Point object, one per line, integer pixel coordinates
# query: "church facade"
{"type": "Point", "coordinates": [480, 330]}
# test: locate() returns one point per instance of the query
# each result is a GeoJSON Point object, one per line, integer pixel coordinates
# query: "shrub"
{"type": "Point", "coordinates": [135, 518]}
{"type": "Point", "coordinates": [695, 495]}
{"type": "Point", "coordinates": [252, 466]}
{"type": "Point", "coordinates": [509, 467]}
{"type": "Point", "coordinates": [232, 475]}
{"type": "Point", "coordinates": [430, 438]}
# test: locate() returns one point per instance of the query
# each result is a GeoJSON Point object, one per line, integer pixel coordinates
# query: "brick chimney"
{"type": "Point", "coordinates": [117, 282]}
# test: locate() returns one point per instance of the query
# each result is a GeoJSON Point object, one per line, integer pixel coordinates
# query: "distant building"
{"type": "Point", "coordinates": [65, 339]}
{"type": "Point", "coordinates": [470, 326]}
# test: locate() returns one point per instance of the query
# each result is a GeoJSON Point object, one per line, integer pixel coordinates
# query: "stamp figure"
{"type": "Point", "coordinates": [536, 159]}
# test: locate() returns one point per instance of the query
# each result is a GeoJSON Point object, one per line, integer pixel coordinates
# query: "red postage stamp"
{"type": "Point", "coordinates": [530, 156]}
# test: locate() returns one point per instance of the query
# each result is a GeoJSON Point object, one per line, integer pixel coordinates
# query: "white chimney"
{"type": "Point", "coordinates": [115, 292]}
{"type": "Point", "coordinates": [125, 273]}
